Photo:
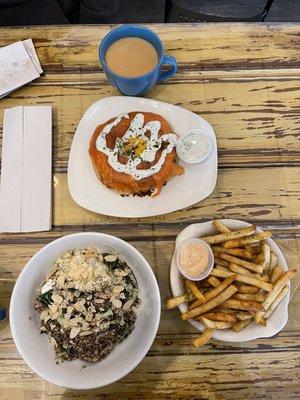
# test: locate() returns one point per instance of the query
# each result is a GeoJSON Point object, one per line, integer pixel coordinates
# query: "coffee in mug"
{"type": "Point", "coordinates": [131, 56]}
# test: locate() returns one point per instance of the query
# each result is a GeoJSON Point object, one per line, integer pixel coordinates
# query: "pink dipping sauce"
{"type": "Point", "coordinates": [193, 258]}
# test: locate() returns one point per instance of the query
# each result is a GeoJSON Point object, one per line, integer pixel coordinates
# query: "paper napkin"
{"type": "Point", "coordinates": [19, 64]}
{"type": "Point", "coordinates": [26, 169]}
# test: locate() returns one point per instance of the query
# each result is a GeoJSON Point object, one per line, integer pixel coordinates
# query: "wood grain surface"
{"type": "Point", "coordinates": [242, 78]}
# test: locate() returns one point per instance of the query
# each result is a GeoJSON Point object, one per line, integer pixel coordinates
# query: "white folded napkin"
{"type": "Point", "coordinates": [19, 64]}
{"type": "Point", "coordinates": [26, 169]}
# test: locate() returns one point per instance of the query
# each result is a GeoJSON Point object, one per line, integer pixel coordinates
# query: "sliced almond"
{"type": "Point", "coordinates": [70, 309]}
{"type": "Point", "coordinates": [43, 314]}
{"type": "Point", "coordinates": [121, 272]}
{"type": "Point", "coordinates": [53, 342]}
{"type": "Point", "coordinates": [53, 308]}
{"type": "Point", "coordinates": [118, 289]}
{"type": "Point", "coordinates": [99, 301]}
{"type": "Point", "coordinates": [57, 298]}
{"type": "Point", "coordinates": [89, 317]}
{"type": "Point", "coordinates": [73, 322]}
{"type": "Point", "coordinates": [86, 333]}
{"type": "Point", "coordinates": [85, 326]}
{"type": "Point", "coordinates": [66, 323]}
{"type": "Point", "coordinates": [116, 303]}
{"type": "Point", "coordinates": [84, 275]}
{"type": "Point", "coordinates": [97, 272]}
{"type": "Point", "coordinates": [61, 281]}
{"type": "Point", "coordinates": [82, 301]}
{"type": "Point", "coordinates": [78, 306]}
{"type": "Point", "coordinates": [55, 316]}
{"type": "Point", "coordinates": [128, 304]}
{"type": "Point", "coordinates": [74, 332]}
{"type": "Point", "coordinates": [110, 258]}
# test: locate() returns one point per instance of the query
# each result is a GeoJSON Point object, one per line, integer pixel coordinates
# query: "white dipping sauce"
{"type": "Point", "coordinates": [137, 129]}
{"type": "Point", "coordinates": [194, 147]}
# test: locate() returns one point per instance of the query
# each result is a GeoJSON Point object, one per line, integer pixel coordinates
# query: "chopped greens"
{"type": "Point", "coordinates": [46, 298]}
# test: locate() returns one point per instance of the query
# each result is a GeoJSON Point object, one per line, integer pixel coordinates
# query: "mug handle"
{"type": "Point", "coordinates": [171, 62]}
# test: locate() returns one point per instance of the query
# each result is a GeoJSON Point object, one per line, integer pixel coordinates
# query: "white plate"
{"type": "Point", "coordinates": [253, 331]}
{"type": "Point", "coordinates": [197, 182]}
{"type": "Point", "coordinates": [35, 348]}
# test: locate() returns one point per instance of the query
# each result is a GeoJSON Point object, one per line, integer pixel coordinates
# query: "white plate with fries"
{"type": "Point", "coordinates": [243, 245]}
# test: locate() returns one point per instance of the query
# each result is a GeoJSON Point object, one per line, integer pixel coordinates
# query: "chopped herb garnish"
{"type": "Point", "coordinates": [46, 298]}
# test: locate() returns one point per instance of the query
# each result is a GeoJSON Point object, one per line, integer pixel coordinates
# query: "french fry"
{"type": "Point", "coordinates": [242, 263]}
{"type": "Point", "coordinates": [244, 279]}
{"type": "Point", "coordinates": [276, 302]}
{"type": "Point", "coordinates": [247, 289]}
{"type": "Point", "coordinates": [241, 325]}
{"type": "Point", "coordinates": [214, 281]}
{"type": "Point", "coordinates": [250, 296]}
{"type": "Point", "coordinates": [220, 227]}
{"type": "Point", "coordinates": [204, 284]}
{"type": "Point", "coordinates": [276, 274]}
{"type": "Point", "coordinates": [203, 338]}
{"type": "Point", "coordinates": [214, 292]}
{"type": "Point", "coordinates": [219, 289]}
{"type": "Point", "coordinates": [243, 305]}
{"type": "Point", "coordinates": [273, 263]}
{"type": "Point", "coordinates": [221, 268]}
{"type": "Point", "coordinates": [209, 305]}
{"type": "Point", "coordinates": [222, 237]}
{"type": "Point", "coordinates": [215, 324]}
{"type": "Point", "coordinates": [254, 249]}
{"type": "Point", "coordinates": [271, 297]}
{"type": "Point", "coordinates": [175, 301]}
{"type": "Point", "coordinates": [243, 315]}
{"type": "Point", "coordinates": [195, 290]}
{"type": "Point", "coordinates": [219, 261]}
{"type": "Point", "coordinates": [265, 278]}
{"type": "Point", "coordinates": [266, 251]}
{"type": "Point", "coordinates": [234, 252]}
{"type": "Point", "coordinates": [224, 310]}
{"type": "Point", "coordinates": [241, 242]}
{"type": "Point", "coordinates": [259, 259]}
{"type": "Point", "coordinates": [195, 304]}
{"type": "Point", "coordinates": [241, 270]}
{"type": "Point", "coordinates": [187, 288]}
{"type": "Point", "coordinates": [279, 285]}
{"type": "Point", "coordinates": [218, 316]}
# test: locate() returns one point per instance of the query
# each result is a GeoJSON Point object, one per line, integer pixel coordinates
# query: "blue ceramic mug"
{"type": "Point", "coordinates": [135, 86]}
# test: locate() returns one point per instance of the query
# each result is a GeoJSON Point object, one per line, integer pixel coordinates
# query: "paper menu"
{"type": "Point", "coordinates": [19, 65]}
{"type": "Point", "coordinates": [26, 173]}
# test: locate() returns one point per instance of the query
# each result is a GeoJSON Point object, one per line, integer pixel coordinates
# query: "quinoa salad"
{"type": "Point", "coordinates": [87, 304]}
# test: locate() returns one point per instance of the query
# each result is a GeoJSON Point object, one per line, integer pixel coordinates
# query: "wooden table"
{"type": "Point", "coordinates": [244, 79]}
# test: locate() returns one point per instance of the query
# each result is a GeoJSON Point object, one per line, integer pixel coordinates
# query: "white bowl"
{"type": "Point", "coordinates": [35, 348]}
{"type": "Point", "coordinates": [277, 320]}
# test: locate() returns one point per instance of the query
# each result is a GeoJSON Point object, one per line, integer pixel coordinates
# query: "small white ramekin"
{"type": "Point", "coordinates": [197, 160]}
{"type": "Point", "coordinates": [210, 264]}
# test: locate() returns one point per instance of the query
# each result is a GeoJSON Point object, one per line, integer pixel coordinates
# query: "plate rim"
{"type": "Point", "coordinates": [121, 212]}
{"type": "Point", "coordinates": [218, 334]}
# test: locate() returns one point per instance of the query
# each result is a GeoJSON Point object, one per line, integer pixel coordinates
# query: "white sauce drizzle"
{"type": "Point", "coordinates": [137, 129]}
